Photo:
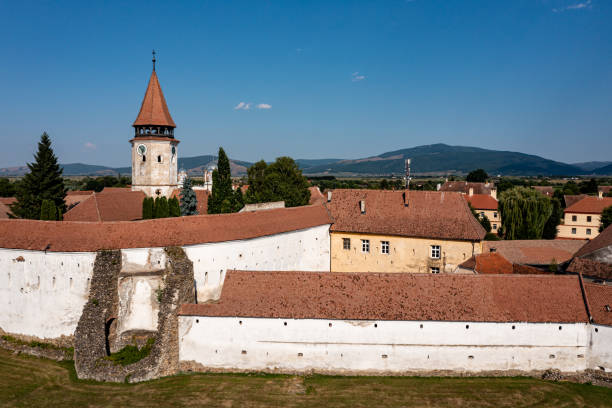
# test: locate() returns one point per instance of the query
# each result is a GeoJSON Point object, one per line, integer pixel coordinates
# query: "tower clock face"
{"type": "Point", "coordinates": [142, 149]}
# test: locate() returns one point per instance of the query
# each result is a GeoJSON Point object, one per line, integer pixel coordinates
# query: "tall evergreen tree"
{"type": "Point", "coordinates": [161, 209]}
{"type": "Point", "coordinates": [48, 211]}
{"type": "Point", "coordinates": [43, 182]}
{"type": "Point", "coordinates": [222, 198]}
{"type": "Point", "coordinates": [147, 208]}
{"type": "Point", "coordinates": [175, 208]}
{"type": "Point", "coordinates": [189, 201]}
{"type": "Point", "coordinates": [524, 212]}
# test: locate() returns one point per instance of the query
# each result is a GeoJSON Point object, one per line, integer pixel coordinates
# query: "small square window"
{"type": "Point", "coordinates": [588, 231]}
{"type": "Point", "coordinates": [346, 243]}
{"type": "Point", "coordinates": [365, 245]}
{"type": "Point", "coordinates": [573, 230]}
{"type": "Point", "coordinates": [588, 218]}
{"type": "Point", "coordinates": [434, 270]}
{"type": "Point", "coordinates": [574, 218]}
{"type": "Point", "coordinates": [435, 252]}
{"type": "Point", "coordinates": [494, 226]}
{"type": "Point", "coordinates": [384, 247]}
{"type": "Point", "coordinates": [494, 215]}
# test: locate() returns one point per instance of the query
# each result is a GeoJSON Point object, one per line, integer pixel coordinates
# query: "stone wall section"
{"type": "Point", "coordinates": [102, 306]}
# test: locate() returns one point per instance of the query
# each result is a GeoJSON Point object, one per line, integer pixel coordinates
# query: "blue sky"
{"type": "Point", "coordinates": [339, 79]}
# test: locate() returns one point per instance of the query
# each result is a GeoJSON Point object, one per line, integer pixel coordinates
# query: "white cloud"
{"type": "Point", "coordinates": [264, 106]}
{"type": "Point", "coordinates": [243, 106]}
{"type": "Point", "coordinates": [89, 146]}
{"type": "Point", "coordinates": [356, 77]}
{"type": "Point", "coordinates": [583, 5]}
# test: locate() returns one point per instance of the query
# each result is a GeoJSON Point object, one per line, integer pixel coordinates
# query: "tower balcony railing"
{"type": "Point", "coordinates": [160, 131]}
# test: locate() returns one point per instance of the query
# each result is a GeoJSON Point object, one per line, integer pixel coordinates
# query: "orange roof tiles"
{"type": "Point", "coordinates": [429, 214]}
{"type": "Point", "coordinates": [379, 296]}
{"type": "Point", "coordinates": [316, 197]}
{"type": "Point", "coordinates": [110, 206]}
{"type": "Point", "coordinates": [600, 302]}
{"type": "Point", "coordinates": [201, 197]}
{"type": "Point", "coordinates": [464, 187]}
{"type": "Point", "coordinates": [489, 263]}
{"type": "Point", "coordinates": [573, 199]}
{"type": "Point", "coordinates": [535, 251]}
{"type": "Point", "coordinates": [482, 202]}
{"type": "Point", "coordinates": [604, 239]}
{"type": "Point", "coordinates": [70, 236]}
{"type": "Point", "coordinates": [154, 110]}
{"type": "Point", "coordinates": [590, 205]}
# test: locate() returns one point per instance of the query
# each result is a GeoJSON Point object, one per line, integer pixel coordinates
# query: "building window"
{"type": "Point", "coordinates": [494, 226]}
{"type": "Point", "coordinates": [346, 243]}
{"type": "Point", "coordinates": [494, 215]}
{"type": "Point", "coordinates": [384, 247]}
{"type": "Point", "coordinates": [434, 270]}
{"type": "Point", "coordinates": [573, 230]}
{"type": "Point", "coordinates": [365, 245]}
{"type": "Point", "coordinates": [588, 218]}
{"type": "Point", "coordinates": [144, 157]}
{"type": "Point", "coordinates": [588, 231]}
{"type": "Point", "coordinates": [574, 218]}
{"type": "Point", "coordinates": [435, 251]}
{"type": "Point", "coordinates": [159, 159]}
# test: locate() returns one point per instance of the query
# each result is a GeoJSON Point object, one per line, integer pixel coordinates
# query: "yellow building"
{"type": "Point", "coordinates": [401, 231]}
{"type": "Point", "coordinates": [581, 220]}
{"type": "Point", "coordinates": [486, 205]}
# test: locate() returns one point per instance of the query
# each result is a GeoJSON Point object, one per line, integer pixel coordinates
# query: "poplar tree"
{"type": "Point", "coordinates": [174, 207]}
{"type": "Point", "coordinates": [222, 198]}
{"type": "Point", "coordinates": [189, 201]}
{"type": "Point", "coordinates": [147, 208]}
{"type": "Point", "coordinates": [48, 211]}
{"type": "Point", "coordinates": [43, 182]}
{"type": "Point", "coordinates": [161, 208]}
{"type": "Point", "coordinates": [524, 212]}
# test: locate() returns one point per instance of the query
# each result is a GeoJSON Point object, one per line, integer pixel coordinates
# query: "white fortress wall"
{"type": "Point", "coordinates": [601, 348]}
{"type": "Point", "coordinates": [42, 294]}
{"type": "Point", "coordinates": [380, 346]}
{"type": "Point", "coordinates": [302, 250]}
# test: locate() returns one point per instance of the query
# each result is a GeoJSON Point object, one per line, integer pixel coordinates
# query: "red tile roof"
{"type": "Point", "coordinates": [7, 200]}
{"type": "Point", "coordinates": [600, 302]}
{"type": "Point", "coordinates": [573, 199]}
{"type": "Point", "coordinates": [5, 210]}
{"type": "Point", "coordinates": [604, 189]}
{"type": "Point", "coordinates": [604, 239]}
{"type": "Point", "coordinates": [108, 206]}
{"type": "Point", "coordinates": [395, 296]}
{"type": "Point", "coordinates": [590, 205]}
{"type": "Point", "coordinates": [489, 263]}
{"type": "Point", "coordinates": [534, 252]}
{"type": "Point", "coordinates": [69, 236]}
{"type": "Point", "coordinates": [546, 190]}
{"type": "Point", "coordinates": [482, 202]}
{"type": "Point", "coordinates": [429, 214]}
{"type": "Point", "coordinates": [590, 268]}
{"type": "Point", "coordinates": [464, 187]}
{"type": "Point", "coordinates": [154, 110]}
{"type": "Point", "coordinates": [316, 197]}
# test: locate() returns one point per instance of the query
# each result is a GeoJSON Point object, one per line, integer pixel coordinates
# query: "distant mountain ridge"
{"type": "Point", "coordinates": [434, 159]}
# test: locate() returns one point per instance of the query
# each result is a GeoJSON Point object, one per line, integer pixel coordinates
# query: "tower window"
{"type": "Point", "coordinates": [159, 159]}
{"type": "Point", "coordinates": [144, 157]}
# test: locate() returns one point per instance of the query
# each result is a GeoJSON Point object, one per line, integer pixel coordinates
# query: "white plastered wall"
{"type": "Point", "coordinates": [302, 250]}
{"type": "Point", "coordinates": [42, 294]}
{"type": "Point", "coordinates": [600, 356]}
{"type": "Point", "coordinates": [338, 346]}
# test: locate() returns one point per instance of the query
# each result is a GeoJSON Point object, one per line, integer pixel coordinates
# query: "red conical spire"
{"type": "Point", "coordinates": [154, 111]}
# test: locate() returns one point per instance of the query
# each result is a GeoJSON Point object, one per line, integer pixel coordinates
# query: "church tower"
{"type": "Point", "coordinates": [154, 148]}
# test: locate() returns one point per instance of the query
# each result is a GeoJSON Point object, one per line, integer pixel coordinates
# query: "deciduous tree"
{"type": "Point", "coordinates": [550, 228]}
{"type": "Point", "coordinates": [280, 181]}
{"type": "Point", "coordinates": [524, 212]}
{"type": "Point", "coordinates": [606, 218]}
{"type": "Point", "coordinates": [478, 176]}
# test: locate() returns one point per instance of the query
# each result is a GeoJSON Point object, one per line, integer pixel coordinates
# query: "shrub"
{"type": "Point", "coordinates": [131, 354]}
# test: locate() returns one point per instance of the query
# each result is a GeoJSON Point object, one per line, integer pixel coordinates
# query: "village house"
{"type": "Point", "coordinates": [486, 206]}
{"type": "Point", "coordinates": [539, 253]}
{"type": "Point", "coordinates": [594, 259]}
{"type": "Point", "coordinates": [401, 231]}
{"type": "Point", "coordinates": [468, 187]}
{"type": "Point", "coordinates": [582, 219]}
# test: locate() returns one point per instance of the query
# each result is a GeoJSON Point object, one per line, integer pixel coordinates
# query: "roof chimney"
{"type": "Point", "coordinates": [494, 193]}
{"type": "Point", "coordinates": [329, 195]}
{"type": "Point", "coordinates": [362, 206]}
{"type": "Point", "coordinates": [471, 191]}
{"type": "Point", "coordinates": [438, 187]}
{"type": "Point", "coordinates": [600, 194]}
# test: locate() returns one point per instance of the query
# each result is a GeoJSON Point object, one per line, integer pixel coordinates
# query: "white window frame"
{"type": "Point", "coordinates": [385, 247]}
{"type": "Point", "coordinates": [434, 270]}
{"type": "Point", "coordinates": [435, 251]}
{"type": "Point", "coordinates": [365, 245]}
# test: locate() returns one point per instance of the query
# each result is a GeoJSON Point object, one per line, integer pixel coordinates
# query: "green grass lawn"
{"type": "Point", "coordinates": [32, 382]}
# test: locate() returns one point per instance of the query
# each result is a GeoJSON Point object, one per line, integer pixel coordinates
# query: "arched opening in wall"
{"type": "Point", "coordinates": [109, 329]}
{"type": "Point", "coordinates": [144, 157]}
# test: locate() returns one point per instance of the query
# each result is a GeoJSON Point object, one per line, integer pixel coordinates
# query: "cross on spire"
{"type": "Point", "coordinates": [153, 60]}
